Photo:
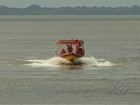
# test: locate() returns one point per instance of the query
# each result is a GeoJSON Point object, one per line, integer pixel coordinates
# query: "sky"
{"type": "Point", "coordinates": [71, 3]}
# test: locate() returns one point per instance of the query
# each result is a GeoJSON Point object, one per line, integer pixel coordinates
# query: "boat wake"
{"type": "Point", "coordinates": [58, 62]}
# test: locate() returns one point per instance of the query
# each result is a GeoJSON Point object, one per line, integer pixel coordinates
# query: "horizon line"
{"type": "Point", "coordinates": [72, 6]}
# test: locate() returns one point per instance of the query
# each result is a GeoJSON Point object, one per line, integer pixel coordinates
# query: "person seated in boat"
{"type": "Point", "coordinates": [69, 48]}
{"type": "Point", "coordinates": [78, 47]}
{"type": "Point", "coordinates": [80, 51]}
{"type": "Point", "coordinates": [62, 52]}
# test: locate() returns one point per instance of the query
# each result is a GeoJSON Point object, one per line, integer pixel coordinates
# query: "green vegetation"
{"type": "Point", "coordinates": [37, 10]}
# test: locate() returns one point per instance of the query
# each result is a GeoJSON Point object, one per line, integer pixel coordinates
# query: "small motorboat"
{"type": "Point", "coordinates": [70, 50]}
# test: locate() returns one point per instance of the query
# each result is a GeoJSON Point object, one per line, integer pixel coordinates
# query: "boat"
{"type": "Point", "coordinates": [70, 50]}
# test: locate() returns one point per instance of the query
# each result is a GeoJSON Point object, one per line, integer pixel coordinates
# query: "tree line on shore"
{"type": "Point", "coordinates": [37, 10]}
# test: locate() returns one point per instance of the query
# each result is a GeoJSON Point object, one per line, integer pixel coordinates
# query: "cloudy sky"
{"type": "Point", "coordinates": [73, 3]}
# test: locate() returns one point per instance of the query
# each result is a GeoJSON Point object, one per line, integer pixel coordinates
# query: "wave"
{"type": "Point", "coordinates": [57, 62]}
{"type": "Point", "coordinates": [92, 61]}
{"type": "Point", "coordinates": [84, 61]}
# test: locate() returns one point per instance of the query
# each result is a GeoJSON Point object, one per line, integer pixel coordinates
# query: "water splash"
{"type": "Point", "coordinates": [91, 61]}
{"type": "Point", "coordinates": [57, 62]}
{"type": "Point", "coordinates": [53, 62]}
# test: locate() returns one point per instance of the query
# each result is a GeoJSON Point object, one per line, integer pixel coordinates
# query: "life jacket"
{"type": "Point", "coordinates": [69, 49]}
{"type": "Point", "coordinates": [78, 45]}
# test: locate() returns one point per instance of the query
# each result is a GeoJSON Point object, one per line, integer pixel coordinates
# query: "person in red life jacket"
{"type": "Point", "coordinates": [62, 52]}
{"type": "Point", "coordinates": [78, 51]}
{"type": "Point", "coordinates": [69, 48]}
{"type": "Point", "coordinates": [77, 43]}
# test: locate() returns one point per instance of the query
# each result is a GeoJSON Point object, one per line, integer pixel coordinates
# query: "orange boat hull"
{"type": "Point", "coordinates": [71, 57]}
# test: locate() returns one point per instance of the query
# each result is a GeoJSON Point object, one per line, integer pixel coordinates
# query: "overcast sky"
{"type": "Point", "coordinates": [65, 3]}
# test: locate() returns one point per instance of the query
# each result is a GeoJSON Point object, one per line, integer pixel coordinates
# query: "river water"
{"type": "Point", "coordinates": [31, 74]}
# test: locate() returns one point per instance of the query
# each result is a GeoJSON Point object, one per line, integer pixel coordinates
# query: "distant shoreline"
{"type": "Point", "coordinates": [37, 10]}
